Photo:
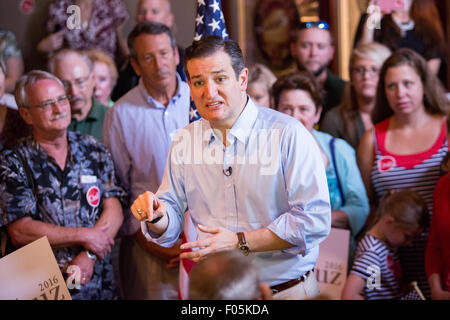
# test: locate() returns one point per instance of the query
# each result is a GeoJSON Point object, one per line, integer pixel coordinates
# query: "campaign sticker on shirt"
{"type": "Point", "coordinates": [88, 179]}
{"type": "Point", "coordinates": [27, 6]}
{"type": "Point", "coordinates": [386, 163]}
{"type": "Point", "coordinates": [93, 196]}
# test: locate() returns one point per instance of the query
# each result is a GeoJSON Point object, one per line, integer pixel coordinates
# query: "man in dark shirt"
{"type": "Point", "coordinates": [61, 185]}
{"type": "Point", "coordinates": [313, 49]}
{"type": "Point", "coordinates": [75, 70]}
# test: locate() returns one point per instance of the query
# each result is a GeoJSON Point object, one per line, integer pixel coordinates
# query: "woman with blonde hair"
{"type": "Point", "coordinates": [260, 81]}
{"type": "Point", "coordinates": [352, 117]}
{"type": "Point", "coordinates": [105, 76]}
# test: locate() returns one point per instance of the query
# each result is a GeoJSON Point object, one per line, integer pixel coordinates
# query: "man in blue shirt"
{"type": "Point", "coordinates": [251, 177]}
{"type": "Point", "coordinates": [139, 130]}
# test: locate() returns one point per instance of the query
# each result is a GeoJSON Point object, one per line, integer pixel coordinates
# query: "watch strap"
{"type": "Point", "coordinates": [243, 246]}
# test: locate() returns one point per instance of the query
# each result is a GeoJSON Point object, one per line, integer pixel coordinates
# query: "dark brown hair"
{"type": "Point", "coordinates": [299, 80]}
{"type": "Point", "coordinates": [434, 98]}
{"type": "Point", "coordinates": [427, 24]}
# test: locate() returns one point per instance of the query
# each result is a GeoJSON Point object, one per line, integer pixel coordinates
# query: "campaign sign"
{"type": "Point", "coordinates": [331, 266]}
{"type": "Point", "coordinates": [31, 273]}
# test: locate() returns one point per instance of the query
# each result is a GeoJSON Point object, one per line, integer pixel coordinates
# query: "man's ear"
{"type": "Point", "coordinates": [136, 66]}
{"type": "Point", "coordinates": [26, 116]}
{"type": "Point", "coordinates": [243, 79]}
{"type": "Point", "coordinates": [177, 55]}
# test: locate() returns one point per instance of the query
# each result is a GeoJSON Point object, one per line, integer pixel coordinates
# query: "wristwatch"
{"type": "Point", "coordinates": [91, 256]}
{"type": "Point", "coordinates": [243, 246]}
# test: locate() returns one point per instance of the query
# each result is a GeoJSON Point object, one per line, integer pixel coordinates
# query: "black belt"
{"type": "Point", "coordinates": [289, 284]}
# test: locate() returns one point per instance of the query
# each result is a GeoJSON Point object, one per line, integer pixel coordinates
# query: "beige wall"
{"type": "Point", "coordinates": [29, 29]}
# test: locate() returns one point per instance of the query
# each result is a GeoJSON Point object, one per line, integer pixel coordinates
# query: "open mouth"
{"type": "Point", "coordinates": [214, 105]}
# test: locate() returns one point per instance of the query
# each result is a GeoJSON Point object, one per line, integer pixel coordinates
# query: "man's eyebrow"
{"type": "Point", "coordinates": [214, 72]}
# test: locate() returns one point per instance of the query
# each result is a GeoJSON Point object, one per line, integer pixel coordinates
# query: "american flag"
{"type": "Point", "coordinates": [209, 21]}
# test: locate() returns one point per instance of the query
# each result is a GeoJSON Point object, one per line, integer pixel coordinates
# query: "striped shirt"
{"type": "Point", "coordinates": [379, 265]}
{"type": "Point", "coordinates": [419, 172]}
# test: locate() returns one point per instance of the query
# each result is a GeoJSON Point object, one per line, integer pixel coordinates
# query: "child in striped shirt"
{"type": "Point", "coordinates": [376, 272]}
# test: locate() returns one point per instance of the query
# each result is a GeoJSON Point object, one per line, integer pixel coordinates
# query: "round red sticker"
{"type": "Point", "coordinates": [386, 163]}
{"type": "Point", "coordinates": [93, 196]}
{"type": "Point", "coordinates": [27, 6]}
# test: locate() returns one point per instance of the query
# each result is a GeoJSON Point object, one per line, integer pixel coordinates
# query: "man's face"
{"type": "Point", "coordinates": [156, 60]}
{"type": "Point", "coordinates": [54, 113]}
{"type": "Point", "coordinates": [313, 50]}
{"type": "Point", "coordinates": [218, 95]}
{"type": "Point", "coordinates": [154, 11]}
{"type": "Point", "coordinates": [78, 81]}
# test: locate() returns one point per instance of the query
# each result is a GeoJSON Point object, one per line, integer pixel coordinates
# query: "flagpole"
{"type": "Point", "coordinates": [242, 26]}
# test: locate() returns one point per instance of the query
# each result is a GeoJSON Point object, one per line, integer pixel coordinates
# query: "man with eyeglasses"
{"type": "Point", "coordinates": [313, 49]}
{"type": "Point", "coordinates": [61, 184]}
{"type": "Point", "coordinates": [75, 70]}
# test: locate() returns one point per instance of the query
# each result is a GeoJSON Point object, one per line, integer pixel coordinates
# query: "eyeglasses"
{"type": "Point", "coordinates": [314, 24]}
{"type": "Point", "coordinates": [371, 71]}
{"type": "Point", "coordinates": [78, 82]}
{"type": "Point", "coordinates": [44, 105]}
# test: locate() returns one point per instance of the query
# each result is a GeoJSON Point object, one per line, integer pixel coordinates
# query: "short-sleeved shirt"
{"type": "Point", "coordinates": [379, 265]}
{"type": "Point", "coordinates": [106, 16]}
{"type": "Point", "coordinates": [8, 45]}
{"type": "Point", "coordinates": [72, 197]}
{"type": "Point", "coordinates": [93, 123]}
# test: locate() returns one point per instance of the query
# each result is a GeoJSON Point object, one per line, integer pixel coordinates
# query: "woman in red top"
{"type": "Point", "coordinates": [407, 145]}
{"type": "Point", "coordinates": [437, 258]}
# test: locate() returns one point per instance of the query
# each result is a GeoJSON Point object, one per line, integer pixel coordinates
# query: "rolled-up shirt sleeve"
{"type": "Point", "coordinates": [308, 222]}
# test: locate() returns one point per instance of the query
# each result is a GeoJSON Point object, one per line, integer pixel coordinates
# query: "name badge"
{"type": "Point", "coordinates": [88, 179]}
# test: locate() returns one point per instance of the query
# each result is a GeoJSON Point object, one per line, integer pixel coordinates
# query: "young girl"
{"type": "Point", "coordinates": [376, 271]}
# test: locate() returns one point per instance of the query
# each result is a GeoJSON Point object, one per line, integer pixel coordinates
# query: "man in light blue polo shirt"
{"type": "Point", "coordinates": [252, 178]}
{"type": "Point", "coordinates": [139, 130]}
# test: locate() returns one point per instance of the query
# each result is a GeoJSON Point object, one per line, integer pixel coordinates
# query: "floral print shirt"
{"type": "Point", "coordinates": [72, 197]}
{"type": "Point", "coordinates": [106, 16]}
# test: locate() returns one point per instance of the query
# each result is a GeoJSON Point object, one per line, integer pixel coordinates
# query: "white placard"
{"type": "Point", "coordinates": [331, 266]}
{"type": "Point", "coordinates": [31, 272]}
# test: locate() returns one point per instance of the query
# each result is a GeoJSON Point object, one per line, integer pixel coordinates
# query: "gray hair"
{"type": "Point", "coordinates": [26, 81]}
{"type": "Point", "coordinates": [226, 275]}
{"type": "Point", "coordinates": [63, 53]}
{"type": "Point", "coordinates": [148, 27]}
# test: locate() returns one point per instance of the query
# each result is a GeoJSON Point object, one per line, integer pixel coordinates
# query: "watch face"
{"type": "Point", "coordinates": [274, 20]}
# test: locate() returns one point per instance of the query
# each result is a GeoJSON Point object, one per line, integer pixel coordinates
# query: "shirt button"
{"type": "Point", "coordinates": [231, 214]}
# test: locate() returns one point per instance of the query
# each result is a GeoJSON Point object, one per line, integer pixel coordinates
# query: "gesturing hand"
{"type": "Point", "coordinates": [148, 207]}
{"type": "Point", "coordinates": [220, 239]}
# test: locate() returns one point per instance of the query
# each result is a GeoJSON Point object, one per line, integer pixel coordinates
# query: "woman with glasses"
{"type": "Point", "coordinates": [413, 24]}
{"type": "Point", "coordinates": [352, 117]}
{"type": "Point", "coordinates": [299, 95]}
{"type": "Point", "coordinates": [406, 147]}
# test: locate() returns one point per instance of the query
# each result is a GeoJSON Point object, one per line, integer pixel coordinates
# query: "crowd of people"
{"type": "Point", "coordinates": [99, 153]}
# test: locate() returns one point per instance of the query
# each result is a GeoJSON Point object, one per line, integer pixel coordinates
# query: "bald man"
{"type": "Point", "coordinates": [153, 11]}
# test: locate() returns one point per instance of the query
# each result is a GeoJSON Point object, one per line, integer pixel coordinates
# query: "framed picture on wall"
{"type": "Point", "coordinates": [273, 20]}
